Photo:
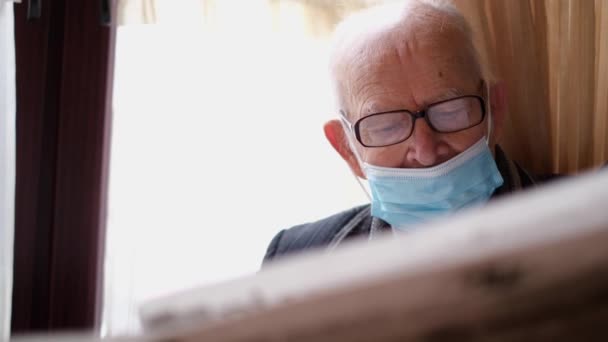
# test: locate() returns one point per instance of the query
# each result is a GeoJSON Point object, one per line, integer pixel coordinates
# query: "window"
{"type": "Point", "coordinates": [217, 145]}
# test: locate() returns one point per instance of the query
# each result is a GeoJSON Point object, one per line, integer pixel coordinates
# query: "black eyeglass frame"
{"type": "Point", "coordinates": [415, 115]}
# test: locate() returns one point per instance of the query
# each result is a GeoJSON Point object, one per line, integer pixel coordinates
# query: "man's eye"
{"type": "Point", "coordinates": [390, 128]}
{"type": "Point", "coordinates": [386, 129]}
{"type": "Point", "coordinates": [446, 115]}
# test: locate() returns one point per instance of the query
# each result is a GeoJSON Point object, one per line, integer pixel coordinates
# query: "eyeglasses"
{"type": "Point", "coordinates": [393, 127]}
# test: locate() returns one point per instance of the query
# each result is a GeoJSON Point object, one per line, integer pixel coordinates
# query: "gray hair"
{"type": "Point", "coordinates": [384, 18]}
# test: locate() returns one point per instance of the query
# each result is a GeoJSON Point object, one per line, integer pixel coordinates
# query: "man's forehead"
{"type": "Point", "coordinates": [413, 83]}
{"type": "Point", "coordinates": [425, 68]}
{"type": "Point", "coordinates": [401, 44]}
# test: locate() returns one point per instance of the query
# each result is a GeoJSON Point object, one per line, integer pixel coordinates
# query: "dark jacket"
{"type": "Point", "coordinates": [357, 221]}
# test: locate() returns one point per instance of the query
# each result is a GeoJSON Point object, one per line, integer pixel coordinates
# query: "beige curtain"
{"type": "Point", "coordinates": [136, 11]}
{"type": "Point", "coordinates": [553, 56]}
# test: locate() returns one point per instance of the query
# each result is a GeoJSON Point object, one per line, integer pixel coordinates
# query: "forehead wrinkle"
{"type": "Point", "coordinates": [383, 69]}
{"type": "Point", "coordinates": [368, 103]}
{"type": "Point", "coordinates": [364, 81]}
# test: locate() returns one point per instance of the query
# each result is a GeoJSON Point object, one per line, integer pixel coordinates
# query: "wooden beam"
{"type": "Point", "coordinates": [529, 267]}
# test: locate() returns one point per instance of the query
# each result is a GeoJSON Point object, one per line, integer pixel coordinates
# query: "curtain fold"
{"type": "Point", "coordinates": [600, 133]}
{"type": "Point", "coordinates": [7, 162]}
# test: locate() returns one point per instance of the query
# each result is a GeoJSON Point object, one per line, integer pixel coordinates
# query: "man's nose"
{"type": "Point", "coordinates": [424, 149]}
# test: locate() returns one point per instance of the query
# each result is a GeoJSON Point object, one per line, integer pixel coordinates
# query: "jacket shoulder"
{"type": "Point", "coordinates": [310, 235]}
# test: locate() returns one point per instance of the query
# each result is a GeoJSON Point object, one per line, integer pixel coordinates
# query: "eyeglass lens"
{"type": "Point", "coordinates": [445, 117]}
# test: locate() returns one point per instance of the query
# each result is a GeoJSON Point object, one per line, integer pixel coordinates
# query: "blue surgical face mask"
{"type": "Point", "coordinates": [403, 197]}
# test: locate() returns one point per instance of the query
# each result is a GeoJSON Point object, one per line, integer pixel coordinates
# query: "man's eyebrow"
{"type": "Point", "coordinates": [448, 94]}
{"type": "Point", "coordinates": [374, 108]}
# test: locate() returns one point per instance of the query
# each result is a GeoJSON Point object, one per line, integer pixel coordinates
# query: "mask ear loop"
{"type": "Point", "coordinates": [347, 129]}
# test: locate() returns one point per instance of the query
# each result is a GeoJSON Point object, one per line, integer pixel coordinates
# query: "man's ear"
{"type": "Point", "coordinates": [334, 132]}
{"type": "Point", "coordinates": [498, 103]}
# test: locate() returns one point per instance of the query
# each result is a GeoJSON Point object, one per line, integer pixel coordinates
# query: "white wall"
{"type": "Point", "coordinates": [7, 161]}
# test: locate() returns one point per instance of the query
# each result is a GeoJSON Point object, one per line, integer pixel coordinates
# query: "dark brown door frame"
{"type": "Point", "coordinates": [64, 79]}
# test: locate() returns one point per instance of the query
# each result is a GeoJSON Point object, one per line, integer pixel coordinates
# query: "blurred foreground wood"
{"type": "Point", "coordinates": [533, 267]}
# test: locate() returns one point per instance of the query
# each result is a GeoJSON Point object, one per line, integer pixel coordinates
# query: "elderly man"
{"type": "Point", "coordinates": [419, 118]}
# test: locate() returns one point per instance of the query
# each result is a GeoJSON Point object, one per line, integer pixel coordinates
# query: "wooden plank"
{"type": "Point", "coordinates": [530, 267]}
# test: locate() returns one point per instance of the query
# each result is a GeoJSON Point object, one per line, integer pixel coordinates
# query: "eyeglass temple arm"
{"type": "Point", "coordinates": [345, 120]}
